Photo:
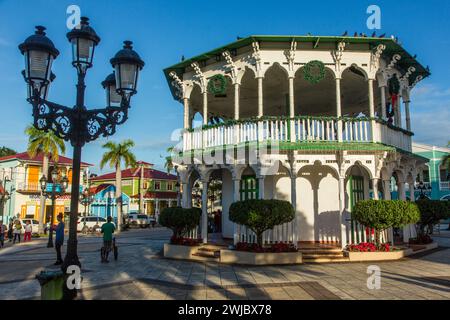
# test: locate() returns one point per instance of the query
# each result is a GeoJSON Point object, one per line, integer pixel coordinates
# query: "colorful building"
{"type": "Point", "coordinates": [104, 203]}
{"type": "Point", "coordinates": [434, 175]}
{"type": "Point", "coordinates": [158, 188]}
{"type": "Point", "coordinates": [20, 175]}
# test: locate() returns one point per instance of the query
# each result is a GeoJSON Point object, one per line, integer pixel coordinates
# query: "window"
{"type": "Point", "coordinates": [157, 185]}
{"type": "Point", "coordinates": [169, 186]}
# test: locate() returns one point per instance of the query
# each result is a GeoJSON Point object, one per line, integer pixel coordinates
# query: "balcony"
{"type": "Point", "coordinates": [35, 187]}
{"type": "Point", "coordinates": [296, 131]}
{"type": "Point", "coordinates": [444, 185]}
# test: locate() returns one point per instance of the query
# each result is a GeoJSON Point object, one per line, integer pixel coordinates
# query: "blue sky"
{"type": "Point", "coordinates": [163, 31]}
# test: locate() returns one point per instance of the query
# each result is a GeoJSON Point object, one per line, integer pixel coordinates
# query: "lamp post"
{"type": "Point", "coordinates": [86, 198]}
{"type": "Point", "coordinates": [59, 187]}
{"type": "Point", "coordinates": [4, 197]}
{"type": "Point", "coordinates": [77, 124]}
{"type": "Point", "coordinates": [177, 189]}
{"type": "Point", "coordinates": [422, 188]}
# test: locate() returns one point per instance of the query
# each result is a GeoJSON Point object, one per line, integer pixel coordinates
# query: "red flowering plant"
{"type": "Point", "coordinates": [369, 247]}
{"type": "Point", "coordinates": [184, 241]}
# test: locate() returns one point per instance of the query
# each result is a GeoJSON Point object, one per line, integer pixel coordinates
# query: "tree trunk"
{"type": "Point", "coordinates": [141, 190]}
{"type": "Point", "coordinates": [119, 197]}
{"type": "Point", "coordinates": [259, 239]}
{"type": "Point", "coordinates": [42, 199]}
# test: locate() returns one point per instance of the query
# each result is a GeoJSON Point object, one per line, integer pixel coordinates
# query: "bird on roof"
{"type": "Point", "coordinates": [345, 33]}
{"type": "Point", "coordinates": [238, 38]}
{"type": "Point", "coordinates": [374, 34]}
{"type": "Point", "coordinates": [428, 68]}
{"type": "Point", "coordinates": [415, 56]}
{"type": "Point", "coordinates": [382, 36]}
{"type": "Point", "coordinates": [356, 34]}
{"type": "Point", "coordinates": [309, 34]}
{"type": "Point", "coordinates": [182, 58]}
{"type": "Point", "coordinates": [362, 35]}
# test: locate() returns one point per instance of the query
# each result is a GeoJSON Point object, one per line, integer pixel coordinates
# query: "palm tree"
{"type": "Point", "coordinates": [116, 154]}
{"type": "Point", "coordinates": [50, 146]}
{"type": "Point", "coordinates": [169, 163]}
{"type": "Point", "coordinates": [5, 151]}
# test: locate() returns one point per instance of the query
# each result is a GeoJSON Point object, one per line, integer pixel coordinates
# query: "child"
{"type": "Point", "coordinates": [17, 231]}
{"type": "Point", "coordinates": [28, 230]}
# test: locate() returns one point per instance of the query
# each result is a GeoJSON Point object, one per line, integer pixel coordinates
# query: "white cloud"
{"type": "Point", "coordinates": [430, 115]}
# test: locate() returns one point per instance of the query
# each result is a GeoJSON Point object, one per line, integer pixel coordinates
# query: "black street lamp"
{"type": "Point", "coordinates": [77, 124]}
{"type": "Point", "coordinates": [86, 198]}
{"type": "Point", "coordinates": [4, 197]}
{"type": "Point", "coordinates": [422, 187]}
{"type": "Point", "coordinates": [59, 187]}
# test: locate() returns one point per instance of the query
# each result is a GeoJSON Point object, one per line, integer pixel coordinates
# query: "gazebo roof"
{"type": "Point", "coordinates": [392, 48]}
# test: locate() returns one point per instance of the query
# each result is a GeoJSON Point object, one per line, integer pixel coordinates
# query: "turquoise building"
{"type": "Point", "coordinates": [104, 203]}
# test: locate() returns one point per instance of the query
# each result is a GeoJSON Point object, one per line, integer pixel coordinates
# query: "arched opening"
{"type": "Point", "coordinates": [276, 91]}
{"type": "Point", "coordinates": [354, 92]}
{"type": "Point", "coordinates": [221, 106]}
{"type": "Point", "coordinates": [315, 99]}
{"type": "Point", "coordinates": [317, 203]}
{"type": "Point", "coordinates": [196, 104]}
{"type": "Point", "coordinates": [248, 95]}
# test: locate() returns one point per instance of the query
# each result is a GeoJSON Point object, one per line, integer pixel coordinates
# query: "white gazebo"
{"type": "Point", "coordinates": [320, 121]}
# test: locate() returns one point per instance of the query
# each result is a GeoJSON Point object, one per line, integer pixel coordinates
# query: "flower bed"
{"type": "Point", "coordinates": [370, 247]}
{"type": "Point", "coordinates": [274, 248]}
{"type": "Point", "coordinates": [184, 241]}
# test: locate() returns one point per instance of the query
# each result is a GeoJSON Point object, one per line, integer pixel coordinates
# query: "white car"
{"type": "Point", "coordinates": [34, 225]}
{"type": "Point", "coordinates": [92, 223]}
{"type": "Point", "coordinates": [138, 220]}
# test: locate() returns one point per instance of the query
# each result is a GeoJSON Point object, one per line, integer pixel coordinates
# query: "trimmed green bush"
{"type": "Point", "coordinates": [180, 220]}
{"type": "Point", "coordinates": [261, 215]}
{"type": "Point", "coordinates": [383, 214]}
{"type": "Point", "coordinates": [431, 212]}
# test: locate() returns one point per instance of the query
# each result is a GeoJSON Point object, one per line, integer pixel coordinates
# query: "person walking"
{"type": "Point", "coordinates": [28, 231]}
{"type": "Point", "coordinates": [107, 230]}
{"type": "Point", "coordinates": [10, 231]}
{"type": "Point", "coordinates": [2, 234]}
{"type": "Point", "coordinates": [59, 239]}
{"type": "Point", "coordinates": [17, 231]}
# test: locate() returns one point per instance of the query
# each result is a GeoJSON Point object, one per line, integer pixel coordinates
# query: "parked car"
{"type": "Point", "coordinates": [92, 223]}
{"type": "Point", "coordinates": [34, 225]}
{"type": "Point", "coordinates": [138, 220]}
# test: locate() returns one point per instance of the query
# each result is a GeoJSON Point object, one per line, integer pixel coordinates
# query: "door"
{"type": "Point", "coordinates": [356, 194]}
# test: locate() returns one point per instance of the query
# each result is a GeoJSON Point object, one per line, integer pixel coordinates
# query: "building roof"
{"type": "Point", "coordinates": [149, 173]}
{"type": "Point", "coordinates": [24, 156]}
{"type": "Point", "coordinates": [421, 147]}
{"type": "Point", "coordinates": [392, 48]}
{"type": "Point", "coordinates": [158, 195]}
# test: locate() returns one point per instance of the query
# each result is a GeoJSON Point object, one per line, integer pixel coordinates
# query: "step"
{"type": "Point", "coordinates": [208, 252]}
{"type": "Point", "coordinates": [320, 249]}
{"type": "Point", "coordinates": [320, 255]}
{"type": "Point", "coordinates": [324, 252]}
{"type": "Point", "coordinates": [203, 257]}
{"type": "Point", "coordinates": [325, 259]}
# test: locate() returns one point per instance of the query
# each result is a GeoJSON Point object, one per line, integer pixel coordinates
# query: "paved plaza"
{"type": "Point", "coordinates": [142, 273]}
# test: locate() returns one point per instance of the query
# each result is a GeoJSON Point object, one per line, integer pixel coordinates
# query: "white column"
{"type": "Point", "coordinates": [294, 205]}
{"type": "Point", "coordinates": [236, 197]}
{"type": "Point", "coordinates": [236, 101]}
{"type": "Point", "coordinates": [371, 109]}
{"type": "Point", "coordinates": [260, 97]}
{"type": "Point", "coordinates": [339, 108]}
{"type": "Point", "coordinates": [375, 189]}
{"type": "Point", "coordinates": [408, 116]}
{"type": "Point", "coordinates": [261, 187]}
{"type": "Point", "coordinates": [186, 113]}
{"type": "Point", "coordinates": [387, 189]}
{"type": "Point", "coordinates": [204, 226]}
{"type": "Point", "coordinates": [401, 191]}
{"type": "Point", "coordinates": [342, 211]}
{"type": "Point", "coordinates": [291, 108]}
{"type": "Point", "coordinates": [205, 107]}
{"type": "Point", "coordinates": [399, 112]}
{"type": "Point", "coordinates": [184, 200]}
{"type": "Point", "coordinates": [383, 102]}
